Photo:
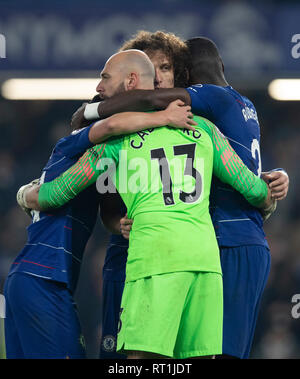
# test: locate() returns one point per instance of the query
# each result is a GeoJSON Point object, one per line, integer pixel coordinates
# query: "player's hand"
{"type": "Point", "coordinates": [21, 196]}
{"type": "Point", "coordinates": [278, 182]}
{"type": "Point", "coordinates": [78, 121]}
{"type": "Point", "coordinates": [269, 210]}
{"type": "Point", "coordinates": [180, 115]}
{"type": "Point", "coordinates": [125, 226]}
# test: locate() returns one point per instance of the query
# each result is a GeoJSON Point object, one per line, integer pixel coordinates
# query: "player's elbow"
{"type": "Point", "coordinates": [101, 130]}
{"type": "Point", "coordinates": [112, 125]}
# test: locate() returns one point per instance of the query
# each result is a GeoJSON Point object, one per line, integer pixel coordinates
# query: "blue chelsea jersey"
{"type": "Point", "coordinates": [116, 255]}
{"type": "Point", "coordinates": [236, 222]}
{"type": "Point", "coordinates": [57, 239]}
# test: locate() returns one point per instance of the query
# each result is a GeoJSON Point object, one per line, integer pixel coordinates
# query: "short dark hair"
{"type": "Point", "coordinates": [199, 46]}
{"type": "Point", "coordinates": [171, 45]}
{"type": "Point", "coordinates": [205, 56]}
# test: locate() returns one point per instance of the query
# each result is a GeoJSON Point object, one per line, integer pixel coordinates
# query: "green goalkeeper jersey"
{"type": "Point", "coordinates": [163, 176]}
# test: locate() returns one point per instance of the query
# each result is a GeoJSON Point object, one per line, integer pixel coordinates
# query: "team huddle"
{"type": "Point", "coordinates": [169, 153]}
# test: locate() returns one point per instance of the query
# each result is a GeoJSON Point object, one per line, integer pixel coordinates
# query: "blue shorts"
{"type": "Point", "coordinates": [112, 295]}
{"type": "Point", "coordinates": [41, 319]}
{"type": "Point", "coordinates": [245, 273]}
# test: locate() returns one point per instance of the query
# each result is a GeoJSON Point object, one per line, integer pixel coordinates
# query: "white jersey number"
{"type": "Point", "coordinates": [255, 151]}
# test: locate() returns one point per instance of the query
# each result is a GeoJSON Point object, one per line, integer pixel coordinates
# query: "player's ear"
{"type": "Point", "coordinates": [131, 81]}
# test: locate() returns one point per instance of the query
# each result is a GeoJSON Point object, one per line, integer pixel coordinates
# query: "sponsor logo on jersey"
{"type": "Point", "coordinates": [249, 114]}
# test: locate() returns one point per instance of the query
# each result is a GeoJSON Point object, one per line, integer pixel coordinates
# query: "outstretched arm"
{"type": "Point", "coordinates": [176, 115]}
{"type": "Point", "coordinates": [129, 101]}
{"type": "Point", "coordinates": [81, 175]}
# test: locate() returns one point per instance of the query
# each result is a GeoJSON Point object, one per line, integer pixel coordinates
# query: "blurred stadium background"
{"type": "Point", "coordinates": [73, 39]}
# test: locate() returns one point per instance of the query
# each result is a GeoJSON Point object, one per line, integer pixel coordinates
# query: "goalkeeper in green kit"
{"type": "Point", "coordinates": [172, 304]}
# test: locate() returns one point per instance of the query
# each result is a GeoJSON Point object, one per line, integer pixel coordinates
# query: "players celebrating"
{"type": "Point", "coordinates": [239, 227]}
{"type": "Point", "coordinates": [213, 98]}
{"type": "Point", "coordinates": [160, 267]}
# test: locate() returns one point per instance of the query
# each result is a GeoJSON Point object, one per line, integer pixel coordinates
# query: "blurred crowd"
{"type": "Point", "coordinates": [29, 131]}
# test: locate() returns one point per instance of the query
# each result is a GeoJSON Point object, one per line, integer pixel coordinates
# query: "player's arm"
{"type": "Point", "coordinates": [176, 114]}
{"type": "Point", "coordinates": [129, 101]}
{"type": "Point", "coordinates": [112, 218]}
{"type": "Point", "coordinates": [110, 206]}
{"type": "Point", "coordinates": [230, 169]}
{"type": "Point", "coordinates": [81, 175]}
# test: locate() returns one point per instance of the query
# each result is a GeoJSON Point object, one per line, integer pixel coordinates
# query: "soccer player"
{"type": "Point", "coordinates": [244, 249]}
{"type": "Point", "coordinates": [172, 300]}
{"type": "Point", "coordinates": [169, 55]}
{"type": "Point", "coordinates": [41, 319]}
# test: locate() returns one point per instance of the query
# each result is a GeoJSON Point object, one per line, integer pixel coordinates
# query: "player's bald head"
{"type": "Point", "coordinates": [133, 61]}
{"type": "Point", "coordinates": [124, 71]}
{"type": "Point", "coordinates": [205, 58]}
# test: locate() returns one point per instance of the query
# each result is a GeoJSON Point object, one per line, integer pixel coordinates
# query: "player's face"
{"type": "Point", "coordinates": [111, 80]}
{"type": "Point", "coordinates": [164, 70]}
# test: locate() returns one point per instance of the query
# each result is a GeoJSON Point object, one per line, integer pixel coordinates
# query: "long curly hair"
{"type": "Point", "coordinates": [171, 45]}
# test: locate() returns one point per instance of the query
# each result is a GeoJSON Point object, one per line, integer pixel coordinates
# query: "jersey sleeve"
{"type": "Point", "coordinates": [76, 143]}
{"type": "Point", "coordinates": [200, 100]}
{"type": "Point", "coordinates": [230, 169]}
{"type": "Point", "coordinates": [81, 175]}
{"type": "Point", "coordinates": [208, 100]}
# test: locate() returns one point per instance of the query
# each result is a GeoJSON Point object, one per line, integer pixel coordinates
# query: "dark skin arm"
{"type": "Point", "coordinates": [110, 206]}
{"type": "Point", "coordinates": [143, 100]}
{"type": "Point", "coordinates": [135, 101]}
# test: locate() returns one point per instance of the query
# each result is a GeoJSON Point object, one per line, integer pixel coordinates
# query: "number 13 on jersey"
{"type": "Point", "coordinates": [180, 174]}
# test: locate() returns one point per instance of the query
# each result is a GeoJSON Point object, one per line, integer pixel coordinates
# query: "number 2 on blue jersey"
{"type": "Point", "coordinates": [255, 151]}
